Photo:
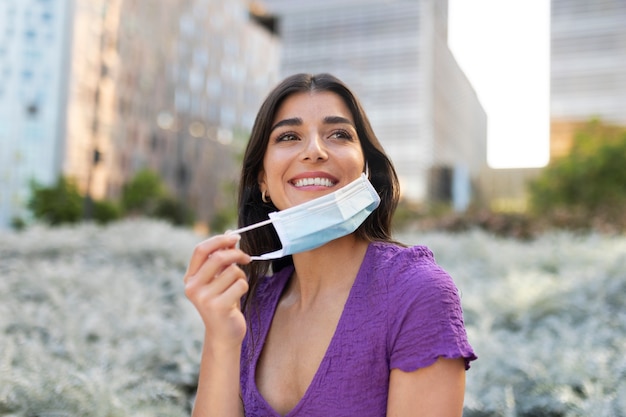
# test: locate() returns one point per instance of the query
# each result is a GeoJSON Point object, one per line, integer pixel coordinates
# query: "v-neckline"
{"type": "Point", "coordinates": [333, 341]}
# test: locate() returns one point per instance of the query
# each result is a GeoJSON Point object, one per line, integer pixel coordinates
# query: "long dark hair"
{"type": "Point", "coordinates": [252, 209]}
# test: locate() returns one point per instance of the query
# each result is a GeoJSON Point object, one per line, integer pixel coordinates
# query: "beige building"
{"type": "Point", "coordinates": [185, 79]}
{"type": "Point", "coordinates": [92, 94]}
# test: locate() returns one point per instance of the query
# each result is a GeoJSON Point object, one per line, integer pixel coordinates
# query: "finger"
{"type": "Point", "coordinates": [228, 277]}
{"type": "Point", "coordinates": [232, 294]}
{"type": "Point", "coordinates": [207, 247]}
{"type": "Point", "coordinates": [217, 262]}
{"type": "Point", "coordinates": [219, 294]}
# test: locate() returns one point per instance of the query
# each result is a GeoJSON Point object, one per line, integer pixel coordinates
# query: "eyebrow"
{"type": "Point", "coordinates": [297, 121]}
{"type": "Point", "coordinates": [334, 120]}
{"type": "Point", "coordinates": [294, 121]}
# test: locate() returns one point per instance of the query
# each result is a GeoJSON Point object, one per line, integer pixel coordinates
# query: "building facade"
{"type": "Point", "coordinates": [588, 66]}
{"type": "Point", "coordinates": [169, 87]}
{"type": "Point", "coordinates": [394, 55]}
{"type": "Point", "coordinates": [34, 39]}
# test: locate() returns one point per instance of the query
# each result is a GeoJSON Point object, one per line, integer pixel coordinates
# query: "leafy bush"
{"type": "Point", "coordinates": [223, 220]}
{"type": "Point", "coordinates": [174, 211]}
{"type": "Point", "coordinates": [589, 182]}
{"type": "Point", "coordinates": [143, 192]}
{"type": "Point", "coordinates": [105, 211]}
{"type": "Point", "coordinates": [146, 194]}
{"type": "Point", "coordinates": [225, 216]}
{"type": "Point", "coordinates": [60, 203]}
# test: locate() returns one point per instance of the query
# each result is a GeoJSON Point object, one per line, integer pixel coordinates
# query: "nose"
{"type": "Point", "coordinates": [314, 149]}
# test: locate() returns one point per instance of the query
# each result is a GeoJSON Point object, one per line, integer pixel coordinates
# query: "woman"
{"type": "Point", "coordinates": [357, 325]}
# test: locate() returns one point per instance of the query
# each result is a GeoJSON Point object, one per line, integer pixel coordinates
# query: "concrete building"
{"type": "Point", "coordinates": [395, 57]}
{"type": "Point", "coordinates": [191, 77]}
{"type": "Point", "coordinates": [588, 66]}
{"type": "Point", "coordinates": [34, 39]}
{"type": "Point", "coordinates": [141, 84]}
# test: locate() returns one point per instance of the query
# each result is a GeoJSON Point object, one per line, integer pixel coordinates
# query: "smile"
{"type": "Point", "coordinates": [303, 182]}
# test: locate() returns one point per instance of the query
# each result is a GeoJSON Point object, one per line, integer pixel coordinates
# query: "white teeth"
{"type": "Point", "coordinates": [303, 182]}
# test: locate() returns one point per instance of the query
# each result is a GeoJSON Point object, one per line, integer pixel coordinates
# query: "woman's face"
{"type": "Point", "coordinates": [313, 149]}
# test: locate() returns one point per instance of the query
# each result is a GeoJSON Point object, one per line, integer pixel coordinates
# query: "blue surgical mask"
{"type": "Point", "coordinates": [317, 222]}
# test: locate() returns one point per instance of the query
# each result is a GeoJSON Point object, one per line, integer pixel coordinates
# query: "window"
{"type": "Point", "coordinates": [32, 110]}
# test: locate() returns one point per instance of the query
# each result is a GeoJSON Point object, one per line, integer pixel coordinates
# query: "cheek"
{"type": "Point", "coordinates": [358, 158]}
{"type": "Point", "coordinates": [272, 168]}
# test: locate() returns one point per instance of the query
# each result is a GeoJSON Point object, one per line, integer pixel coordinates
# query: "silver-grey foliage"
{"type": "Point", "coordinates": [93, 321]}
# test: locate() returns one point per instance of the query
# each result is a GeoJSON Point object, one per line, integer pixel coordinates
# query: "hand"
{"type": "Point", "coordinates": [215, 284]}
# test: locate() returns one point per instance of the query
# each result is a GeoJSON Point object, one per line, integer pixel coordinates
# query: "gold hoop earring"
{"type": "Point", "coordinates": [264, 197]}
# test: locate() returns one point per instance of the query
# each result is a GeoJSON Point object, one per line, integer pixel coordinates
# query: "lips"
{"type": "Point", "coordinates": [317, 181]}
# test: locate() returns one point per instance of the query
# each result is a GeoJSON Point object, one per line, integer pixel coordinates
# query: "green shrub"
{"type": "Point", "coordinates": [105, 211]}
{"type": "Point", "coordinates": [57, 204]}
{"type": "Point", "coordinates": [143, 192]}
{"type": "Point", "coordinates": [18, 223]}
{"type": "Point", "coordinates": [174, 211]}
{"type": "Point", "coordinates": [589, 181]}
{"type": "Point", "coordinates": [223, 220]}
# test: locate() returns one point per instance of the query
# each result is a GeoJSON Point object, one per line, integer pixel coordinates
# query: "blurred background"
{"type": "Point", "coordinates": [109, 99]}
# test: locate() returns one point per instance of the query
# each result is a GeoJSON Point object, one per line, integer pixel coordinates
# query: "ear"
{"type": "Point", "coordinates": [261, 179]}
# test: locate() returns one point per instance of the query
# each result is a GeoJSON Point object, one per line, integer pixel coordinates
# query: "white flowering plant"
{"type": "Point", "coordinates": [94, 322]}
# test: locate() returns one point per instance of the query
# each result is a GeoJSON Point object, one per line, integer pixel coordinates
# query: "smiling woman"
{"type": "Point", "coordinates": [308, 129]}
{"type": "Point", "coordinates": [348, 321]}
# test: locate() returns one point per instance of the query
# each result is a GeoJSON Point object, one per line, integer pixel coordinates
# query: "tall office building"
{"type": "Point", "coordinates": [34, 37]}
{"type": "Point", "coordinates": [173, 87]}
{"type": "Point", "coordinates": [394, 54]}
{"type": "Point", "coordinates": [588, 66]}
{"type": "Point", "coordinates": [188, 77]}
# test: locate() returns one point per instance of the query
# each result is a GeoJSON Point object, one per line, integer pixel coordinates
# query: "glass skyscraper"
{"type": "Point", "coordinates": [33, 65]}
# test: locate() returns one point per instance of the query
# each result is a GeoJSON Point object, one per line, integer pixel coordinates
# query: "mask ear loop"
{"type": "Point", "coordinates": [367, 170]}
{"type": "Point", "coordinates": [250, 227]}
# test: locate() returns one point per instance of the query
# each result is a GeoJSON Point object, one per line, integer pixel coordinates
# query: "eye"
{"type": "Point", "coordinates": [341, 134]}
{"type": "Point", "coordinates": [286, 137]}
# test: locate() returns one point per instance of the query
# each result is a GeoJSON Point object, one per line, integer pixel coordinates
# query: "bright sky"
{"type": "Point", "coordinates": [503, 47]}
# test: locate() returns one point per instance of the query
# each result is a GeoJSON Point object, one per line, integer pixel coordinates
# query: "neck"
{"type": "Point", "coordinates": [328, 270]}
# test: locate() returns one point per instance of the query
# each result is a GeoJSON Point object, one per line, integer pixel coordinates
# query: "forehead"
{"type": "Point", "coordinates": [313, 105]}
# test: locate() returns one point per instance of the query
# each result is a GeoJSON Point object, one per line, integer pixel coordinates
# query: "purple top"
{"type": "Point", "coordinates": [403, 312]}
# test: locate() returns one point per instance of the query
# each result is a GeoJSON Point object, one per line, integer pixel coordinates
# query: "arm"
{"type": "Point", "coordinates": [215, 285]}
{"type": "Point", "coordinates": [218, 383]}
{"type": "Point", "coordinates": [437, 390]}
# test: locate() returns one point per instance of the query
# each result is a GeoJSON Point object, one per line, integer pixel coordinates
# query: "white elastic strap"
{"type": "Point", "coordinates": [250, 227]}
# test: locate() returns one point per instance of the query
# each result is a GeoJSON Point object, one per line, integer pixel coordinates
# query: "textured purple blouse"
{"type": "Point", "coordinates": [403, 312]}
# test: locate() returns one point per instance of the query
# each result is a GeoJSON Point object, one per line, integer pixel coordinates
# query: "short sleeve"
{"type": "Point", "coordinates": [425, 318]}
